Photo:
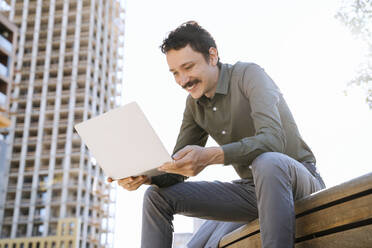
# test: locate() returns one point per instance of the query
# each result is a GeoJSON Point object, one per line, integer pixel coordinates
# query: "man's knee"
{"type": "Point", "coordinates": [151, 194]}
{"type": "Point", "coordinates": [157, 197]}
{"type": "Point", "coordinates": [268, 163]}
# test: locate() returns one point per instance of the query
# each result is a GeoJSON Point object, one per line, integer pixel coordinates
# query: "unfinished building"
{"type": "Point", "coordinates": [68, 69]}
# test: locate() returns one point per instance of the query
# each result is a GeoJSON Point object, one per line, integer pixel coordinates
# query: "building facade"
{"type": "Point", "coordinates": [68, 69]}
{"type": "Point", "coordinates": [8, 42]}
{"type": "Point", "coordinates": [67, 235]}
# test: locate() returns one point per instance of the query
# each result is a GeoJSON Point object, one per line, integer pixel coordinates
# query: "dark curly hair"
{"type": "Point", "coordinates": [190, 33]}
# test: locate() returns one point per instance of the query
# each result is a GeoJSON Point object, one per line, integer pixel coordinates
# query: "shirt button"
{"type": "Point", "coordinates": [223, 132]}
{"type": "Point", "coordinates": [214, 109]}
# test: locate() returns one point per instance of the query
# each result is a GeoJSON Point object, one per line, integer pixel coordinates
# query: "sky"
{"type": "Point", "coordinates": [309, 54]}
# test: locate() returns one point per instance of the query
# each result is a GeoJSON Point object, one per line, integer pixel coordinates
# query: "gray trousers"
{"type": "Point", "coordinates": [278, 181]}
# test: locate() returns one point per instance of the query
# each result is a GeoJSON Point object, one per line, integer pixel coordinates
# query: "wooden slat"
{"type": "Point", "coordinates": [341, 214]}
{"type": "Point", "coordinates": [360, 237]}
{"type": "Point", "coordinates": [335, 193]}
{"type": "Point", "coordinates": [240, 232]}
{"type": "Point", "coordinates": [251, 242]}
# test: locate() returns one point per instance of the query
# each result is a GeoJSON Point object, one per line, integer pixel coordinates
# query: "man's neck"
{"type": "Point", "coordinates": [210, 94]}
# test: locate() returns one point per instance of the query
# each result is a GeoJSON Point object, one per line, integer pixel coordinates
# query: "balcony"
{"type": "Point", "coordinates": [63, 108]}
{"type": "Point", "coordinates": [39, 217]}
{"type": "Point", "coordinates": [43, 32]}
{"type": "Point", "coordinates": [61, 151]}
{"type": "Point", "coordinates": [50, 110]}
{"type": "Point", "coordinates": [53, 81]}
{"type": "Point", "coordinates": [59, 154]}
{"type": "Point", "coordinates": [45, 153]}
{"type": "Point", "coordinates": [84, 38]}
{"type": "Point", "coordinates": [13, 188]}
{"type": "Point", "coordinates": [6, 45]}
{"type": "Point", "coordinates": [47, 139]}
{"type": "Point", "coordinates": [4, 70]}
{"type": "Point", "coordinates": [55, 54]}
{"type": "Point", "coordinates": [36, 126]}
{"type": "Point", "coordinates": [74, 168]}
{"type": "Point", "coordinates": [80, 93]}
{"type": "Point", "coordinates": [59, 14]}
{"type": "Point", "coordinates": [54, 67]}
{"type": "Point", "coordinates": [8, 219]}
{"type": "Point", "coordinates": [3, 99]}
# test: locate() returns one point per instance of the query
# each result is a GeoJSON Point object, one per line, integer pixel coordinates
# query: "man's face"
{"type": "Point", "coordinates": [192, 72]}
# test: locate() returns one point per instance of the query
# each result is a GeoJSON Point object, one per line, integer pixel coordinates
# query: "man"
{"type": "Point", "coordinates": [243, 110]}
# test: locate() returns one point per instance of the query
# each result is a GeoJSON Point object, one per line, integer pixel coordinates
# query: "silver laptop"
{"type": "Point", "coordinates": [124, 143]}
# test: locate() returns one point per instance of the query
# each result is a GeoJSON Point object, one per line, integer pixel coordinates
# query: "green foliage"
{"type": "Point", "coordinates": [357, 17]}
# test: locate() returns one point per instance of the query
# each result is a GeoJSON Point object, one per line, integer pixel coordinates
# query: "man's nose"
{"type": "Point", "coordinates": [184, 79]}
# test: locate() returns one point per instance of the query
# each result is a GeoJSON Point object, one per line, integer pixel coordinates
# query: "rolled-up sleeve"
{"type": "Point", "coordinates": [264, 98]}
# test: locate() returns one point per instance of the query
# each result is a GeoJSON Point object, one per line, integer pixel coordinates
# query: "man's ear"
{"type": "Point", "coordinates": [213, 56]}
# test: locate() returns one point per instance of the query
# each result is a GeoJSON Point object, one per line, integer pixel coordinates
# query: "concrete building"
{"type": "Point", "coordinates": [67, 235]}
{"type": "Point", "coordinates": [68, 69]}
{"type": "Point", "coordinates": [8, 42]}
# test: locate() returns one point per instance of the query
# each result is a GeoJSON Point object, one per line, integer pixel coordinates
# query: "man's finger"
{"type": "Point", "coordinates": [167, 165]}
{"type": "Point", "coordinates": [126, 180]}
{"type": "Point", "coordinates": [123, 181]}
{"type": "Point", "coordinates": [181, 153]}
{"type": "Point", "coordinates": [176, 164]}
{"type": "Point", "coordinates": [175, 170]}
{"type": "Point", "coordinates": [181, 163]}
{"type": "Point", "coordinates": [126, 185]}
{"type": "Point", "coordinates": [136, 183]}
{"type": "Point", "coordinates": [136, 180]}
{"type": "Point", "coordinates": [180, 171]}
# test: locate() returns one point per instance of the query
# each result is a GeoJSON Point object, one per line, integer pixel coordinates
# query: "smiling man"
{"type": "Point", "coordinates": [243, 110]}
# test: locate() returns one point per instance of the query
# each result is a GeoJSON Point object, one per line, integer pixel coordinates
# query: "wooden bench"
{"type": "Point", "coordinates": [338, 217]}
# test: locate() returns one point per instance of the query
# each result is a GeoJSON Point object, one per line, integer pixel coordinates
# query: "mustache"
{"type": "Point", "coordinates": [191, 83]}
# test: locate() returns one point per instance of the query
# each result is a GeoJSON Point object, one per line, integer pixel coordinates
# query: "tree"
{"type": "Point", "coordinates": [357, 17]}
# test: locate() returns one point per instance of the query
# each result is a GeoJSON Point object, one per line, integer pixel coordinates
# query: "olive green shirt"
{"type": "Point", "coordinates": [247, 116]}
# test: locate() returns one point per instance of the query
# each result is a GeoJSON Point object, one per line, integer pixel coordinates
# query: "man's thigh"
{"type": "Point", "coordinates": [286, 171]}
{"type": "Point", "coordinates": [216, 200]}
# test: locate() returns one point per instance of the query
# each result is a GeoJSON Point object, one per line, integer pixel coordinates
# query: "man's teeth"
{"type": "Point", "coordinates": [190, 87]}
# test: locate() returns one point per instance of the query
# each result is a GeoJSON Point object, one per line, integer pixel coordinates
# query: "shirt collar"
{"type": "Point", "coordinates": [223, 80]}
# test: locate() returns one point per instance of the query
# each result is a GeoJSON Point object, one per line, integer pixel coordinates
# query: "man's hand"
{"type": "Point", "coordinates": [191, 160]}
{"type": "Point", "coordinates": [132, 183]}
